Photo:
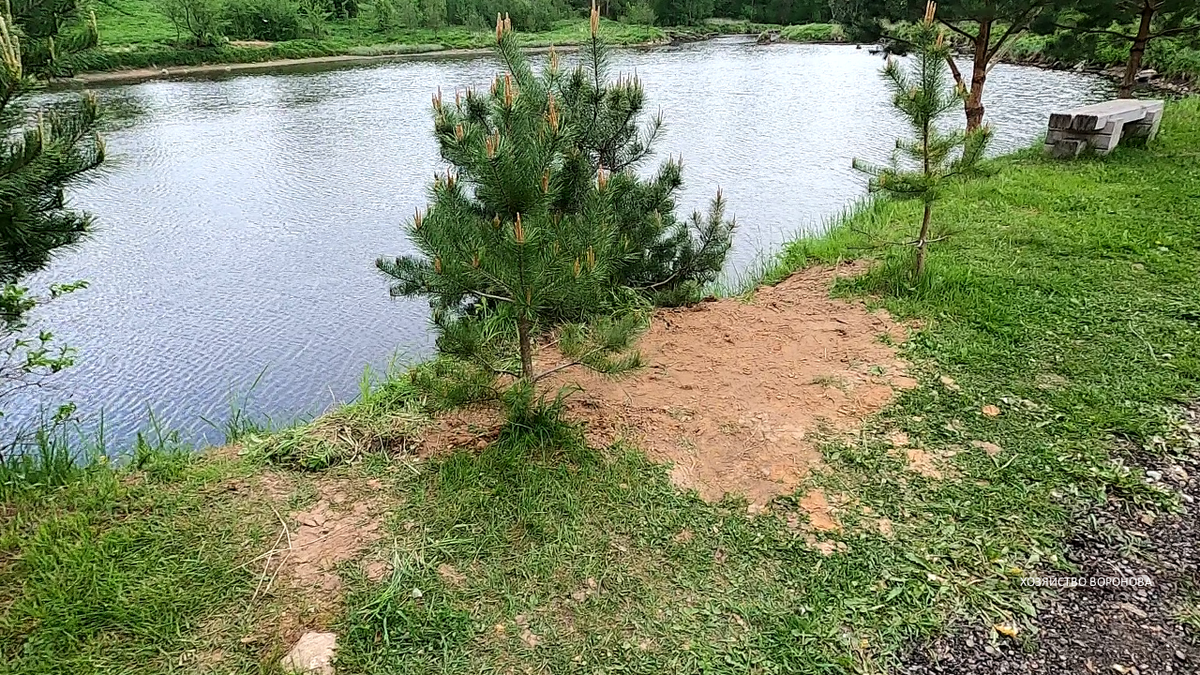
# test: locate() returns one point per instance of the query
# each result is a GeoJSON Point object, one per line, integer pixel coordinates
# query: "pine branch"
{"type": "Point", "coordinates": [1181, 30]}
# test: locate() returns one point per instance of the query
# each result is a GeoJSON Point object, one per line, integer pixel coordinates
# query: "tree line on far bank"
{"type": "Point", "coordinates": [203, 23]}
{"type": "Point", "coordinates": [987, 29]}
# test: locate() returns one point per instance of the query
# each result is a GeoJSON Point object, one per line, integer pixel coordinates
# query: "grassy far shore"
{"type": "Point", "coordinates": [151, 44]}
{"type": "Point", "coordinates": [1066, 298]}
{"type": "Point", "coordinates": [135, 34]}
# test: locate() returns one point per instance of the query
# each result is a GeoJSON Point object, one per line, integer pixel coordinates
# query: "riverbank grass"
{"type": "Point", "coordinates": [1058, 324]}
{"type": "Point", "coordinates": [135, 34]}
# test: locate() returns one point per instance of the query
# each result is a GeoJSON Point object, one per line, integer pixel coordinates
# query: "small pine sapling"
{"type": "Point", "coordinates": [500, 260]}
{"type": "Point", "coordinates": [922, 167]}
{"type": "Point", "coordinates": [665, 258]}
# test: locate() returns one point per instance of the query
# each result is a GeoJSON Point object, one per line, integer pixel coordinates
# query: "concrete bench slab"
{"type": "Point", "coordinates": [1102, 126]}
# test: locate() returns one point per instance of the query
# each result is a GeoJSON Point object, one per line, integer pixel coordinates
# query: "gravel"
{"type": "Point", "coordinates": [1132, 630]}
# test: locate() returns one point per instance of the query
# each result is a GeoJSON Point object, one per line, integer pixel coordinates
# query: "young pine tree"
{"type": "Point", "coordinates": [51, 31]}
{"type": "Point", "coordinates": [665, 258]}
{"type": "Point", "coordinates": [922, 167]}
{"type": "Point", "coordinates": [500, 259]}
{"type": "Point", "coordinates": [37, 160]}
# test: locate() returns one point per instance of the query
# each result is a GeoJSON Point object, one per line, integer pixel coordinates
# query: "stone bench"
{"type": "Point", "coordinates": [1102, 126]}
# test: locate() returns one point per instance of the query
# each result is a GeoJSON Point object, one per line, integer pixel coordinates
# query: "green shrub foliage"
{"type": "Point", "coordinates": [662, 256]}
{"type": "Point", "coordinates": [544, 173]}
{"type": "Point", "coordinates": [51, 31]}
{"type": "Point", "coordinates": [542, 225]}
{"type": "Point", "coordinates": [41, 156]}
{"type": "Point", "coordinates": [513, 243]}
{"type": "Point", "coordinates": [273, 20]}
{"type": "Point", "coordinates": [198, 23]}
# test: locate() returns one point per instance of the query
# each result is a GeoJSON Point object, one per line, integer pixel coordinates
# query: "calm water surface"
{"type": "Point", "coordinates": [238, 219]}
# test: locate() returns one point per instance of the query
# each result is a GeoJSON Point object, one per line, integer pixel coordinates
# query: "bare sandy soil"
{"type": "Point", "coordinates": [735, 394]}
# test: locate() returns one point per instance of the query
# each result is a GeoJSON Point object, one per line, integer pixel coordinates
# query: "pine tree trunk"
{"type": "Point", "coordinates": [979, 69]}
{"type": "Point", "coordinates": [523, 336]}
{"type": "Point", "coordinates": [923, 239]}
{"type": "Point", "coordinates": [1138, 51]}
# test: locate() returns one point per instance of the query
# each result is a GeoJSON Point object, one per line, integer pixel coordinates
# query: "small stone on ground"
{"type": "Point", "coordinates": [312, 654]}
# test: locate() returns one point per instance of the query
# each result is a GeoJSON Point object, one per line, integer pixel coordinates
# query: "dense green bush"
{"type": "Point", "coordinates": [391, 14]}
{"type": "Point", "coordinates": [313, 17]}
{"type": "Point", "coordinates": [342, 9]}
{"type": "Point", "coordinates": [433, 13]}
{"type": "Point", "coordinates": [1170, 56]}
{"type": "Point", "coordinates": [274, 20]}
{"type": "Point", "coordinates": [197, 22]}
{"type": "Point", "coordinates": [640, 13]}
{"type": "Point", "coordinates": [533, 15]}
{"type": "Point", "coordinates": [526, 15]}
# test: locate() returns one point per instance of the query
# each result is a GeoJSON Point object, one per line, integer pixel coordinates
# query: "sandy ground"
{"type": "Point", "coordinates": [735, 394]}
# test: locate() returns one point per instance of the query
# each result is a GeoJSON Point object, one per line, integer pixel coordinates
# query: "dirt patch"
{"type": "Point", "coordinates": [450, 574]}
{"type": "Point", "coordinates": [473, 427]}
{"type": "Point", "coordinates": [338, 528]}
{"type": "Point", "coordinates": [922, 462]}
{"type": "Point", "coordinates": [733, 391]}
{"type": "Point", "coordinates": [376, 570]}
{"type": "Point", "coordinates": [259, 44]}
{"type": "Point", "coordinates": [885, 527]}
{"type": "Point", "coordinates": [820, 514]}
{"type": "Point", "coordinates": [990, 448]}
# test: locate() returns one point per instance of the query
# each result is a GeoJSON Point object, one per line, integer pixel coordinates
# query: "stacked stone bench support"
{"type": "Point", "coordinates": [1102, 126]}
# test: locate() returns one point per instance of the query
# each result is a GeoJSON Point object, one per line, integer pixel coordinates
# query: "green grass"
{"type": "Point", "coordinates": [134, 34]}
{"type": "Point", "coordinates": [1065, 296]}
{"type": "Point", "coordinates": [127, 570]}
{"type": "Point", "coordinates": [814, 32]}
{"type": "Point", "coordinates": [1081, 270]}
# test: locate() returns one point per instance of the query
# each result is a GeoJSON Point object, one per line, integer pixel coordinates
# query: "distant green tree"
{"type": "Point", "coordinates": [39, 158]}
{"type": "Point", "coordinates": [198, 22]}
{"type": "Point", "coordinates": [344, 9]}
{"type": "Point", "coordinates": [390, 14]}
{"type": "Point", "coordinates": [433, 13]}
{"type": "Point", "coordinates": [683, 12]}
{"type": "Point", "coordinates": [1153, 19]}
{"type": "Point", "coordinates": [52, 30]}
{"type": "Point", "coordinates": [312, 17]}
{"type": "Point", "coordinates": [863, 19]}
{"type": "Point", "coordinates": [923, 166]}
{"type": "Point", "coordinates": [499, 260]}
{"type": "Point", "coordinates": [640, 13]}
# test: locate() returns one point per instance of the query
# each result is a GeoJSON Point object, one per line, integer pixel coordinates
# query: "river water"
{"type": "Point", "coordinates": [238, 219]}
